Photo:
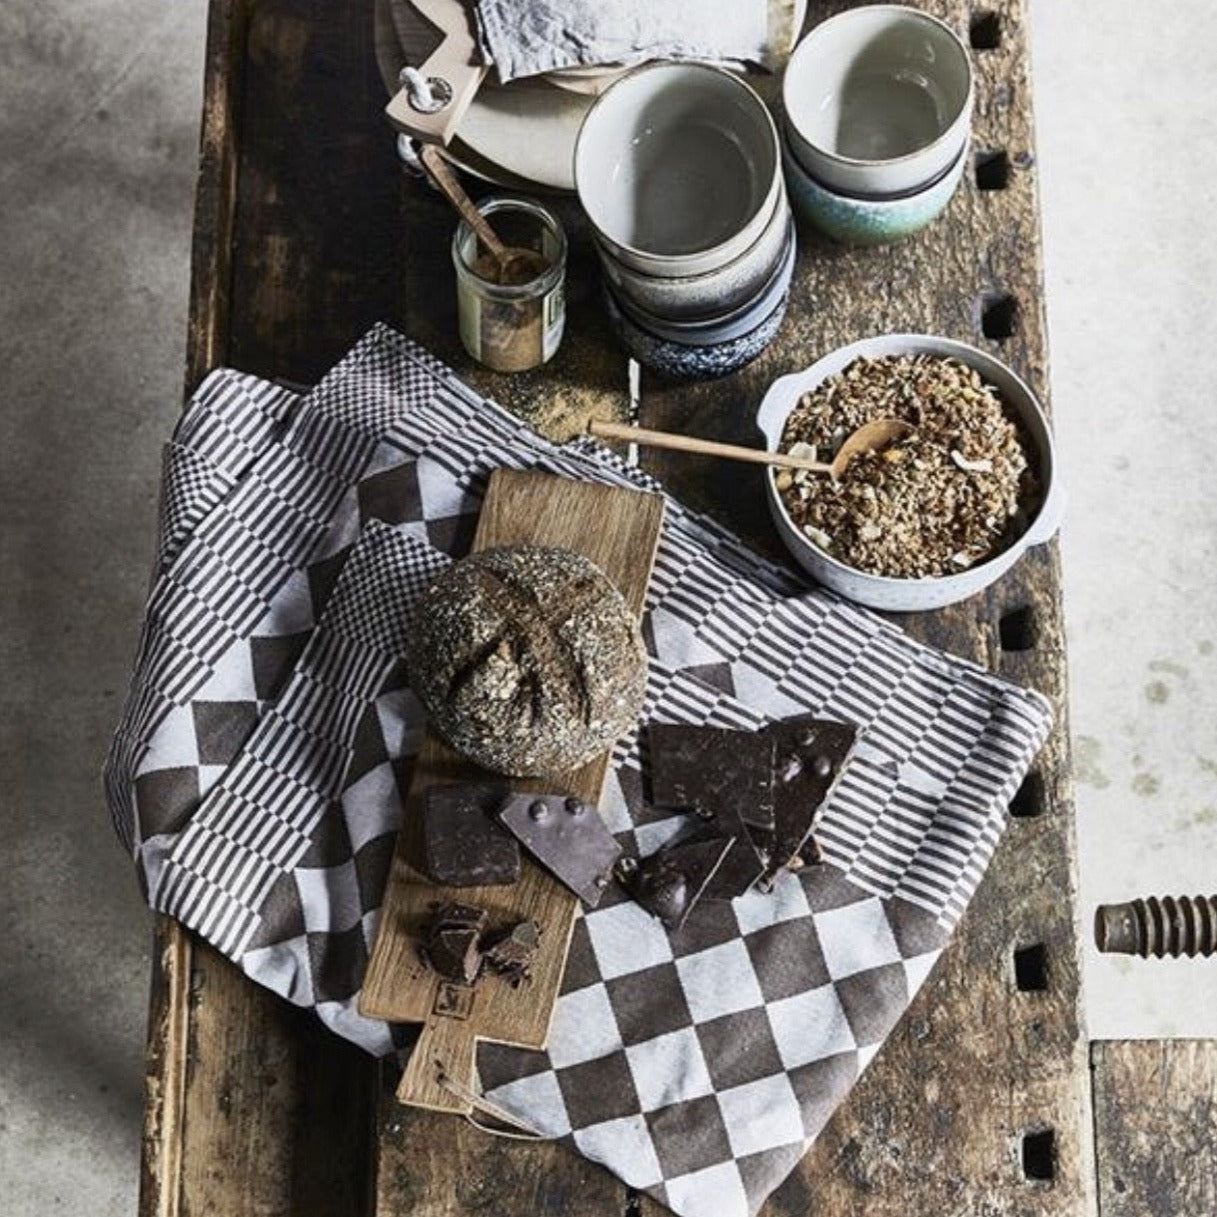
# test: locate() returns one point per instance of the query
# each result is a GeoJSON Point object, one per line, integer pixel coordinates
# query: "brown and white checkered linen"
{"type": "Point", "coordinates": [258, 771]}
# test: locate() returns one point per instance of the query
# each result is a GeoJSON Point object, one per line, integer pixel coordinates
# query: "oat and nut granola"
{"type": "Point", "coordinates": [952, 494]}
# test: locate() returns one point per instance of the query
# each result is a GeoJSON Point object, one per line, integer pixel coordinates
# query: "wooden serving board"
{"type": "Point", "coordinates": [618, 530]}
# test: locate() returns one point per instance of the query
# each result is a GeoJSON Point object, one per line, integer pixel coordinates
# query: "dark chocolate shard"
{"type": "Point", "coordinates": [463, 845]}
{"type": "Point", "coordinates": [706, 768]}
{"type": "Point", "coordinates": [450, 945]}
{"type": "Point", "coordinates": [744, 863]}
{"type": "Point", "coordinates": [510, 954]}
{"type": "Point", "coordinates": [809, 755]}
{"type": "Point", "coordinates": [670, 882]}
{"type": "Point", "coordinates": [726, 777]}
{"type": "Point", "coordinates": [568, 838]}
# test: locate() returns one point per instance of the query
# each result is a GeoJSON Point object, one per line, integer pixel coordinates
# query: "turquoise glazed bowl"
{"type": "Point", "coordinates": [868, 221]}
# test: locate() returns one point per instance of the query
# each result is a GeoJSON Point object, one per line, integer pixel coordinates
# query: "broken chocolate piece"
{"type": "Point", "coordinates": [744, 863]}
{"type": "Point", "coordinates": [706, 768]}
{"type": "Point", "coordinates": [727, 778]}
{"type": "Point", "coordinates": [451, 945]}
{"type": "Point", "coordinates": [510, 953]}
{"type": "Point", "coordinates": [669, 882]}
{"type": "Point", "coordinates": [463, 846]}
{"type": "Point", "coordinates": [810, 753]}
{"type": "Point", "coordinates": [568, 838]}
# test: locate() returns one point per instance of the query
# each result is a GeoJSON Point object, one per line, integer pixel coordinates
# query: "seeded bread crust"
{"type": "Point", "coordinates": [528, 660]}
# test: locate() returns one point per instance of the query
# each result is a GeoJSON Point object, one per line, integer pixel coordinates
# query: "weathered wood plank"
{"type": "Point", "coordinates": [253, 1107]}
{"type": "Point", "coordinates": [216, 192]}
{"type": "Point", "coordinates": [434, 1165]}
{"type": "Point", "coordinates": [1155, 1116]}
{"type": "Point", "coordinates": [315, 247]}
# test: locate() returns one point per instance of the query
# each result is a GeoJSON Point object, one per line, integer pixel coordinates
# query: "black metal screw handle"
{"type": "Point", "coordinates": [1184, 925]}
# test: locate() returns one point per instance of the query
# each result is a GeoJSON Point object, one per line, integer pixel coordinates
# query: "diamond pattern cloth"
{"type": "Point", "coordinates": [258, 770]}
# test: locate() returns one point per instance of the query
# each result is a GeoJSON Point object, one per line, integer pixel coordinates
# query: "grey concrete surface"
{"type": "Point", "coordinates": [99, 105]}
{"type": "Point", "coordinates": [1125, 94]}
{"type": "Point", "coordinates": [98, 126]}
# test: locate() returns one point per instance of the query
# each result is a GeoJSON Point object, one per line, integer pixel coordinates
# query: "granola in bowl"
{"type": "Point", "coordinates": [951, 494]}
{"type": "Point", "coordinates": [934, 517]}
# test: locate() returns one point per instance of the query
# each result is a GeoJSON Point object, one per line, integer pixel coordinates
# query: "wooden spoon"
{"type": "Point", "coordinates": [870, 437]}
{"type": "Point", "coordinates": [509, 260]}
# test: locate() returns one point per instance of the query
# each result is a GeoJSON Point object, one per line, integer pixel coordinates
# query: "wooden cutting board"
{"type": "Point", "coordinates": [618, 530]}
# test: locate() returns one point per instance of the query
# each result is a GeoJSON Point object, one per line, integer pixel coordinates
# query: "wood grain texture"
{"type": "Point", "coordinates": [253, 1107]}
{"type": "Point", "coordinates": [216, 192]}
{"type": "Point", "coordinates": [1155, 1115]}
{"type": "Point", "coordinates": [618, 530]}
{"type": "Point", "coordinates": [294, 257]}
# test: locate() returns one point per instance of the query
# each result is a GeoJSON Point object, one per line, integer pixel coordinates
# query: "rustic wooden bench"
{"type": "Point", "coordinates": [306, 233]}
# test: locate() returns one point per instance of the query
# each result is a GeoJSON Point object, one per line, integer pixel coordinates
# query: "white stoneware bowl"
{"type": "Point", "coordinates": [678, 167]}
{"type": "Point", "coordinates": [878, 100]}
{"type": "Point", "coordinates": [914, 595]}
{"type": "Point", "coordinates": [696, 298]}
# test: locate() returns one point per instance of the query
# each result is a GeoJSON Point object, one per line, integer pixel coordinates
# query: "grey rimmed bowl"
{"type": "Point", "coordinates": [714, 293]}
{"type": "Point", "coordinates": [914, 595]}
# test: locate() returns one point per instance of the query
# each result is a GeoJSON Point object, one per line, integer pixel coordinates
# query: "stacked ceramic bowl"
{"type": "Point", "coordinates": [878, 107]}
{"type": "Point", "coordinates": [678, 167]}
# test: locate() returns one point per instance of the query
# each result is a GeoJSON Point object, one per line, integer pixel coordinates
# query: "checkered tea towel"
{"type": "Point", "coordinates": [259, 767]}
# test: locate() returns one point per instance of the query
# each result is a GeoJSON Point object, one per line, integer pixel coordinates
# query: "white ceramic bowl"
{"type": "Point", "coordinates": [678, 166]}
{"type": "Point", "coordinates": [914, 595]}
{"type": "Point", "coordinates": [878, 100]}
{"type": "Point", "coordinates": [711, 295]}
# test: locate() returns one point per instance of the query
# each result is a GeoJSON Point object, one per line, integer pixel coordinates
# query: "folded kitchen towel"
{"type": "Point", "coordinates": [525, 39]}
{"type": "Point", "coordinates": [265, 746]}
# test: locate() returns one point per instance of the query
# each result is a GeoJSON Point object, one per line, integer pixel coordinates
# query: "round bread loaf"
{"type": "Point", "coordinates": [527, 659]}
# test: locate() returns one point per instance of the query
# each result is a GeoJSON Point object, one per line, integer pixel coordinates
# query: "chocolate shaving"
{"type": "Point", "coordinates": [510, 953]}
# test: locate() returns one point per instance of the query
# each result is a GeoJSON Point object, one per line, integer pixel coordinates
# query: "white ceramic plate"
{"type": "Point", "coordinates": [528, 129]}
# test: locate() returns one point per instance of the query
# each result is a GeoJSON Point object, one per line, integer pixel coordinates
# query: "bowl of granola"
{"type": "Point", "coordinates": [942, 511]}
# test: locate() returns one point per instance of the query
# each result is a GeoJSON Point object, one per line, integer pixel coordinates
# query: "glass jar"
{"type": "Point", "coordinates": [516, 324]}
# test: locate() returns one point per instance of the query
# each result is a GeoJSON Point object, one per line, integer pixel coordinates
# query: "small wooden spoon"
{"type": "Point", "coordinates": [507, 258]}
{"type": "Point", "coordinates": [870, 437]}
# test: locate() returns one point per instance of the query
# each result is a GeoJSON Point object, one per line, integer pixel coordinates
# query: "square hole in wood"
{"type": "Point", "coordinates": [999, 317]}
{"type": "Point", "coordinates": [1031, 968]}
{"type": "Point", "coordinates": [1039, 1154]}
{"type": "Point", "coordinates": [984, 31]}
{"type": "Point", "coordinates": [1016, 630]}
{"type": "Point", "coordinates": [1028, 800]}
{"type": "Point", "coordinates": [992, 170]}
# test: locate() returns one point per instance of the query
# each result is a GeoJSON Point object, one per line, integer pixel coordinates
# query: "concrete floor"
{"type": "Point", "coordinates": [98, 125]}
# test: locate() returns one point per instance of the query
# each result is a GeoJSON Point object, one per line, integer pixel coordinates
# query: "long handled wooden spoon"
{"type": "Point", "coordinates": [512, 263]}
{"type": "Point", "coordinates": [870, 437]}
